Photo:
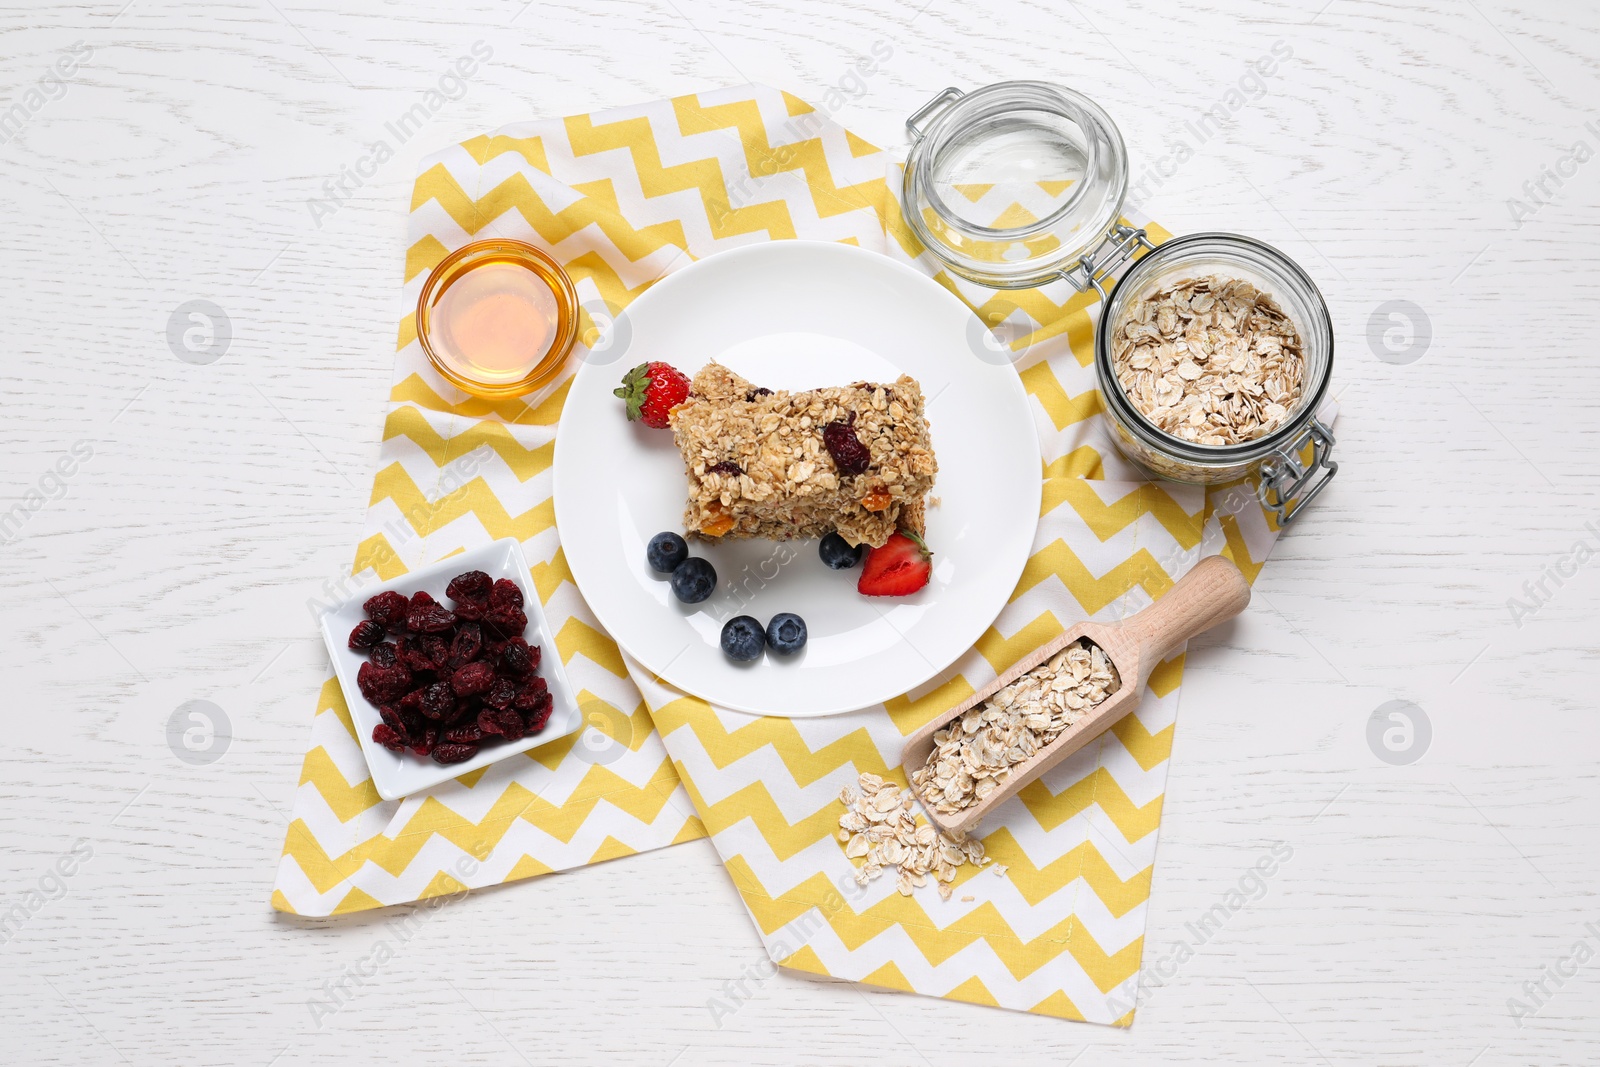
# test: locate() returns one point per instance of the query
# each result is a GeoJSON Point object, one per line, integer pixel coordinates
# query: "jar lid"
{"type": "Point", "coordinates": [497, 318]}
{"type": "Point", "coordinates": [1016, 184]}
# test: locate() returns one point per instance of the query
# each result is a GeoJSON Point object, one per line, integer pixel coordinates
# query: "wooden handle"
{"type": "Point", "coordinates": [1214, 591]}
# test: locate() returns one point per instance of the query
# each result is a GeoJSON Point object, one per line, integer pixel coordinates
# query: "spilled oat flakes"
{"type": "Point", "coordinates": [880, 827]}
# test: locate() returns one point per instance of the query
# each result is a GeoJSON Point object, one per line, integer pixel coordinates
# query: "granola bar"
{"type": "Point", "coordinates": [791, 465]}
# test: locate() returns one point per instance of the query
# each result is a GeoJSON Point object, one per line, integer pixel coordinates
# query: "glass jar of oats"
{"type": "Point", "coordinates": [1213, 356]}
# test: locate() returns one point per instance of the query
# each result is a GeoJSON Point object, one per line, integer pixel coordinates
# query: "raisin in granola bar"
{"type": "Point", "coordinates": [763, 464]}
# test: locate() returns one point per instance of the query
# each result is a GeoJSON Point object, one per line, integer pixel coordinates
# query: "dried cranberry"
{"type": "Point", "coordinates": [431, 619]}
{"type": "Point", "coordinates": [437, 648]}
{"type": "Point", "coordinates": [501, 693]}
{"type": "Point", "coordinates": [391, 718]}
{"type": "Point", "coordinates": [412, 701]}
{"type": "Point", "coordinates": [424, 745]}
{"type": "Point", "coordinates": [383, 685]}
{"type": "Point", "coordinates": [519, 658]}
{"type": "Point", "coordinates": [466, 646]}
{"type": "Point", "coordinates": [510, 622]}
{"type": "Point", "coordinates": [412, 655]}
{"type": "Point", "coordinates": [366, 634]}
{"type": "Point", "coordinates": [421, 599]}
{"type": "Point", "coordinates": [437, 701]}
{"type": "Point", "coordinates": [399, 682]}
{"type": "Point", "coordinates": [473, 585]}
{"type": "Point", "coordinates": [450, 752]}
{"type": "Point", "coordinates": [532, 695]}
{"type": "Point", "coordinates": [386, 736]}
{"type": "Point", "coordinates": [504, 722]}
{"type": "Point", "coordinates": [466, 710]}
{"type": "Point", "coordinates": [467, 733]}
{"type": "Point", "coordinates": [387, 609]}
{"type": "Point", "coordinates": [849, 454]}
{"type": "Point", "coordinates": [757, 391]}
{"type": "Point", "coordinates": [541, 707]}
{"type": "Point", "coordinates": [536, 720]}
{"type": "Point", "coordinates": [384, 654]}
{"type": "Point", "coordinates": [401, 679]}
{"type": "Point", "coordinates": [505, 594]}
{"type": "Point", "coordinates": [471, 610]}
{"type": "Point", "coordinates": [727, 466]}
{"type": "Point", "coordinates": [473, 678]}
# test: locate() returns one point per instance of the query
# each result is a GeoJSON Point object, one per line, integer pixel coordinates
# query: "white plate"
{"type": "Point", "coordinates": [398, 774]}
{"type": "Point", "coordinates": [799, 315]}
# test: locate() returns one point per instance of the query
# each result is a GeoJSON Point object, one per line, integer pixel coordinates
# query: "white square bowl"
{"type": "Point", "coordinates": [399, 774]}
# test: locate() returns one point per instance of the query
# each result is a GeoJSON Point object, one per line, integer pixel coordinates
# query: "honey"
{"type": "Point", "coordinates": [497, 318]}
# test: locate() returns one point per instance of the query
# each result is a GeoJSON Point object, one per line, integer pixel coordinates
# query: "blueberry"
{"type": "Point", "coordinates": [743, 638]}
{"type": "Point", "coordinates": [786, 632]}
{"type": "Point", "coordinates": [666, 551]}
{"type": "Point", "coordinates": [693, 580]}
{"type": "Point", "coordinates": [838, 553]}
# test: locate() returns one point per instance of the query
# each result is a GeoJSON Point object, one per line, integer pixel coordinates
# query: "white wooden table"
{"type": "Point", "coordinates": [174, 563]}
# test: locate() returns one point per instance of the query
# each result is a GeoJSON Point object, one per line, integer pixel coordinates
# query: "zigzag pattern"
{"type": "Point", "coordinates": [554, 804]}
{"type": "Point", "coordinates": [523, 463]}
{"type": "Point", "coordinates": [621, 198]}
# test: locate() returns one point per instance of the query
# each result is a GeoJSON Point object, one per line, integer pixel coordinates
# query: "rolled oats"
{"type": "Point", "coordinates": [899, 839]}
{"type": "Point", "coordinates": [757, 464]}
{"type": "Point", "coordinates": [974, 755]}
{"type": "Point", "coordinates": [1213, 360]}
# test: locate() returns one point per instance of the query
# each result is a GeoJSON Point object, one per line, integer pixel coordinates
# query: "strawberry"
{"type": "Point", "coordinates": [651, 391]}
{"type": "Point", "coordinates": [899, 568]}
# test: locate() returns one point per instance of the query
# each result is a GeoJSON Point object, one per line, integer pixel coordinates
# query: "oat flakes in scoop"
{"type": "Point", "coordinates": [1213, 360]}
{"type": "Point", "coordinates": [975, 754]}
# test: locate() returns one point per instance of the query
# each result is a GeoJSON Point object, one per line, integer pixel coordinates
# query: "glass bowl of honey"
{"type": "Point", "coordinates": [497, 318]}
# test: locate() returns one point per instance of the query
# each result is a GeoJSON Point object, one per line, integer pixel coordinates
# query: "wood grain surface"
{"type": "Point", "coordinates": [179, 160]}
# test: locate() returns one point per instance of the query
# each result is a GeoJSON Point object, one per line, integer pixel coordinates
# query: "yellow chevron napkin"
{"type": "Point", "coordinates": [621, 198]}
{"type": "Point", "coordinates": [1061, 932]}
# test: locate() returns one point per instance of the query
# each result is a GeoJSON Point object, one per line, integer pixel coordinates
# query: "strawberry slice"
{"type": "Point", "coordinates": [899, 568]}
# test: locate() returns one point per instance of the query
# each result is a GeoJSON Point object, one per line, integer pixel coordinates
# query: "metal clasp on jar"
{"type": "Point", "coordinates": [1119, 246]}
{"type": "Point", "coordinates": [1287, 484]}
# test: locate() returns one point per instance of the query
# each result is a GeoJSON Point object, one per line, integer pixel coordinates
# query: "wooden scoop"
{"type": "Point", "coordinates": [1213, 592]}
